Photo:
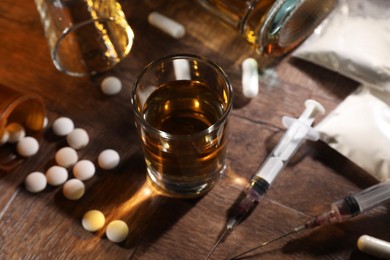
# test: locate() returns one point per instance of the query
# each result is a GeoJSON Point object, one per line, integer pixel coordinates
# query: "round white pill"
{"type": "Point", "coordinates": [66, 157]}
{"type": "Point", "coordinates": [16, 132]}
{"type": "Point", "coordinates": [56, 175]}
{"type": "Point", "coordinates": [62, 126]}
{"type": "Point", "coordinates": [84, 170]}
{"type": "Point", "coordinates": [35, 182]}
{"type": "Point", "coordinates": [93, 220]}
{"type": "Point", "coordinates": [250, 78]}
{"type": "Point", "coordinates": [73, 189]}
{"type": "Point", "coordinates": [4, 137]}
{"type": "Point", "coordinates": [108, 159]}
{"type": "Point", "coordinates": [27, 146]}
{"type": "Point", "coordinates": [374, 246]}
{"type": "Point", "coordinates": [78, 138]}
{"type": "Point", "coordinates": [117, 231]}
{"type": "Point", "coordinates": [111, 86]}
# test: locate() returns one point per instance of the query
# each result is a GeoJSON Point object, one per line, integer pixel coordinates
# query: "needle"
{"type": "Point", "coordinates": [220, 239]}
{"type": "Point", "coordinates": [295, 230]}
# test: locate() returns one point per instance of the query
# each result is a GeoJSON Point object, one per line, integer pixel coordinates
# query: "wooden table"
{"type": "Point", "coordinates": [48, 226]}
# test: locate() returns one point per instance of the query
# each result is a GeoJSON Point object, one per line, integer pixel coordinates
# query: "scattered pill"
{"type": "Point", "coordinates": [108, 159]}
{"type": "Point", "coordinates": [117, 231]}
{"type": "Point", "coordinates": [35, 182]}
{"type": "Point", "coordinates": [45, 122]}
{"type": "Point", "coordinates": [62, 126]}
{"type": "Point", "coordinates": [27, 146]}
{"type": "Point", "coordinates": [250, 78]}
{"type": "Point", "coordinates": [167, 25]}
{"type": "Point", "coordinates": [66, 157]}
{"type": "Point", "coordinates": [56, 175]}
{"type": "Point", "coordinates": [4, 137]}
{"type": "Point", "coordinates": [374, 246]}
{"type": "Point", "coordinates": [78, 138]}
{"type": "Point", "coordinates": [111, 86]}
{"type": "Point", "coordinates": [84, 170]}
{"type": "Point", "coordinates": [93, 220]}
{"type": "Point", "coordinates": [73, 189]}
{"type": "Point", "coordinates": [16, 132]}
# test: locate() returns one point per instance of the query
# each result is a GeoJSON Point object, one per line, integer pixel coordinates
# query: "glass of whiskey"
{"type": "Point", "coordinates": [85, 37]}
{"type": "Point", "coordinates": [181, 105]}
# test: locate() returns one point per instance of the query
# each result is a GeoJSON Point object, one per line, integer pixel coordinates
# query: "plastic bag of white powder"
{"type": "Point", "coordinates": [355, 42]}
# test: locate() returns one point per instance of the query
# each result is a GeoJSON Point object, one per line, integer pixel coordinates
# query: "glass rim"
{"type": "Point", "coordinates": [172, 57]}
{"type": "Point", "coordinates": [75, 27]}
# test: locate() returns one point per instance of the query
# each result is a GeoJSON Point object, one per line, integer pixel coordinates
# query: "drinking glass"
{"type": "Point", "coordinates": [85, 36]}
{"type": "Point", "coordinates": [181, 105]}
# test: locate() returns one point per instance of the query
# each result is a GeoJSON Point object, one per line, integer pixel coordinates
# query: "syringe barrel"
{"type": "Point", "coordinates": [373, 196]}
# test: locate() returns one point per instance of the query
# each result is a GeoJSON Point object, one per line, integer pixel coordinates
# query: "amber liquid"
{"type": "Point", "coordinates": [187, 156]}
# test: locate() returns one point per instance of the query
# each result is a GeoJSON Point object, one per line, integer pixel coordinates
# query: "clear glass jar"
{"type": "Point", "coordinates": [274, 27]}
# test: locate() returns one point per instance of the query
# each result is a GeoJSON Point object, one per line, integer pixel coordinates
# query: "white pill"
{"type": "Point", "coordinates": [45, 122]}
{"type": "Point", "coordinates": [56, 175]}
{"type": "Point", "coordinates": [250, 78]}
{"type": "Point", "coordinates": [111, 86]}
{"type": "Point", "coordinates": [27, 146]}
{"type": "Point", "coordinates": [117, 231]}
{"type": "Point", "coordinates": [84, 170]}
{"type": "Point", "coordinates": [108, 159]}
{"type": "Point", "coordinates": [93, 220]}
{"type": "Point", "coordinates": [4, 137]}
{"type": "Point", "coordinates": [182, 69]}
{"type": "Point", "coordinates": [16, 132]}
{"type": "Point", "coordinates": [35, 182]}
{"type": "Point", "coordinates": [66, 157]}
{"type": "Point", "coordinates": [62, 126]}
{"type": "Point", "coordinates": [167, 25]}
{"type": "Point", "coordinates": [73, 189]}
{"type": "Point", "coordinates": [78, 138]}
{"type": "Point", "coordinates": [374, 246]}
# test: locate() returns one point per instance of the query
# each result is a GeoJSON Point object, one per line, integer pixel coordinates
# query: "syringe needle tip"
{"type": "Point", "coordinates": [295, 230]}
{"type": "Point", "coordinates": [225, 232]}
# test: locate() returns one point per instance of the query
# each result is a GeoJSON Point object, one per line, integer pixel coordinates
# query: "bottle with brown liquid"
{"type": "Point", "coordinates": [274, 27]}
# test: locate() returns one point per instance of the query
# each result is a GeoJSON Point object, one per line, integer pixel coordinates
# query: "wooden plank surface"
{"type": "Point", "coordinates": [48, 226]}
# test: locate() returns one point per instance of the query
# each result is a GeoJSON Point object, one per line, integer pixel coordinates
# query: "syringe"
{"type": "Point", "coordinates": [297, 131]}
{"type": "Point", "coordinates": [342, 210]}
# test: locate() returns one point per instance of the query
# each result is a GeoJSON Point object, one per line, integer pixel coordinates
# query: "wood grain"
{"type": "Point", "coordinates": [47, 226]}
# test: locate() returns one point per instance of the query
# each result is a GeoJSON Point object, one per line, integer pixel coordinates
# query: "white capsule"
{"type": "Point", "coordinates": [56, 175]}
{"type": "Point", "coordinates": [108, 159]}
{"type": "Point", "coordinates": [93, 220]}
{"type": "Point", "coordinates": [111, 86]}
{"type": "Point", "coordinates": [73, 189]}
{"type": "Point", "coordinates": [62, 126]}
{"type": "Point", "coordinates": [374, 246]}
{"type": "Point", "coordinates": [66, 157]}
{"type": "Point", "coordinates": [167, 25]}
{"type": "Point", "coordinates": [35, 182]}
{"type": "Point", "coordinates": [16, 132]}
{"type": "Point", "coordinates": [78, 138]}
{"type": "Point", "coordinates": [250, 78]}
{"type": "Point", "coordinates": [45, 122]}
{"type": "Point", "coordinates": [84, 170]}
{"type": "Point", "coordinates": [27, 146]}
{"type": "Point", "coordinates": [4, 137]}
{"type": "Point", "coordinates": [182, 69]}
{"type": "Point", "coordinates": [117, 231]}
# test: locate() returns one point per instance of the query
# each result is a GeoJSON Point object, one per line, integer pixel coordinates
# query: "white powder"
{"type": "Point", "coordinates": [359, 129]}
{"type": "Point", "coordinates": [354, 43]}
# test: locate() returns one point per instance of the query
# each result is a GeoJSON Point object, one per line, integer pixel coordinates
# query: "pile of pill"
{"type": "Point", "coordinates": [116, 231]}
{"type": "Point", "coordinates": [67, 160]}
{"type": "Point", "coordinates": [15, 133]}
